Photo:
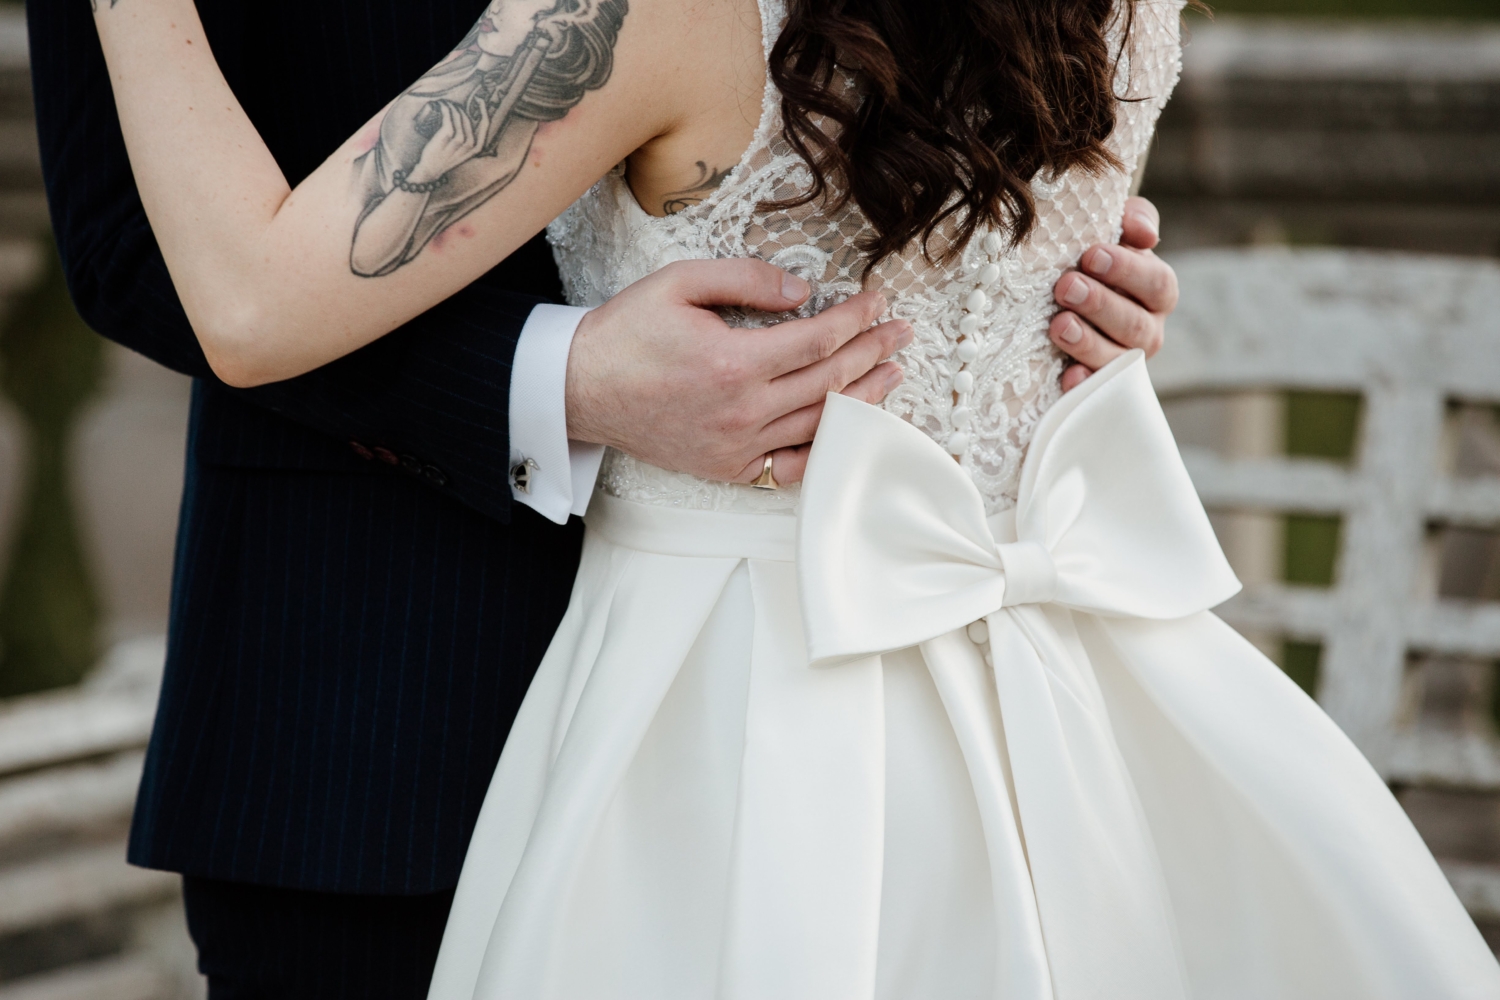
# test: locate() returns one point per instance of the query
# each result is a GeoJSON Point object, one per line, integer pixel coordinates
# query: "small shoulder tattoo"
{"type": "Point", "coordinates": [703, 185]}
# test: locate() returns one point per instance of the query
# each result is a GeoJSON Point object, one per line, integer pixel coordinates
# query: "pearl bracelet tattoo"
{"type": "Point", "coordinates": [399, 179]}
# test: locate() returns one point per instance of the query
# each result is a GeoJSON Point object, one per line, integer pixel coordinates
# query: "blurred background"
{"type": "Point", "coordinates": [1329, 180]}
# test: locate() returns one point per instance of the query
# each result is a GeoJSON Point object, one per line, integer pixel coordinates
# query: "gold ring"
{"type": "Point", "coordinates": [766, 480]}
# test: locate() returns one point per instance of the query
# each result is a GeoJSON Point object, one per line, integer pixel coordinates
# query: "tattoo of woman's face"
{"type": "Point", "coordinates": [461, 134]}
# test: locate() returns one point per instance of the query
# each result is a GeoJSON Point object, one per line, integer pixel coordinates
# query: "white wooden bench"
{"type": "Point", "coordinates": [1413, 336]}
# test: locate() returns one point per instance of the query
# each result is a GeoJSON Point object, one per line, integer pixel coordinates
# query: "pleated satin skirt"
{"type": "Point", "coordinates": [686, 809]}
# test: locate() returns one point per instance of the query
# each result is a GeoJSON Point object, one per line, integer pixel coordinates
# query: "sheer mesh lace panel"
{"type": "Point", "coordinates": [980, 370]}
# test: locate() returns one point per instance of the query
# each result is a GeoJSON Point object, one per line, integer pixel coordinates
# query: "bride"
{"type": "Point", "coordinates": [953, 720]}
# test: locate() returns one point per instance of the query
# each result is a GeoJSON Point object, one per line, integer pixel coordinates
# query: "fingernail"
{"type": "Point", "coordinates": [905, 337]}
{"type": "Point", "coordinates": [793, 288]}
{"type": "Point", "coordinates": [1071, 333]}
{"type": "Point", "coordinates": [1100, 262]}
{"type": "Point", "coordinates": [1077, 292]}
{"type": "Point", "coordinates": [894, 379]}
{"type": "Point", "coordinates": [1148, 222]}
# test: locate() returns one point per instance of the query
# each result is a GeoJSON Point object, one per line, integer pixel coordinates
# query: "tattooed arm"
{"type": "Point", "coordinates": [536, 103]}
{"type": "Point", "coordinates": [463, 132]}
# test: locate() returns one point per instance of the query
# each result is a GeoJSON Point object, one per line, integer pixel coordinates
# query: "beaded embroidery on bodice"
{"type": "Point", "coordinates": [980, 371]}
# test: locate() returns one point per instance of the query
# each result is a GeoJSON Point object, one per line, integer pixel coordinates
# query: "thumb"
{"type": "Point", "coordinates": [745, 282]}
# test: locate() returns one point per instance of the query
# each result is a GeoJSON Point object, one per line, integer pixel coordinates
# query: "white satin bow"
{"type": "Point", "coordinates": [894, 551]}
{"type": "Point", "coordinates": [894, 547]}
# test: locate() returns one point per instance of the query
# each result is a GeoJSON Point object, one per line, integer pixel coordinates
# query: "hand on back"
{"type": "Point", "coordinates": [279, 281]}
{"type": "Point", "coordinates": [1122, 304]}
{"type": "Point", "coordinates": [657, 374]}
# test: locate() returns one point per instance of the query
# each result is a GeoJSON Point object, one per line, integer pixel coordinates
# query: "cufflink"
{"type": "Point", "coordinates": [520, 475]}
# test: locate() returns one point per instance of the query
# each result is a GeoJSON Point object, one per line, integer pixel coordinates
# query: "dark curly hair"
{"type": "Point", "coordinates": [958, 104]}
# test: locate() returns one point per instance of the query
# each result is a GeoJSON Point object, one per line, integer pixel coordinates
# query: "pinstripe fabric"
{"type": "Point", "coordinates": [349, 642]}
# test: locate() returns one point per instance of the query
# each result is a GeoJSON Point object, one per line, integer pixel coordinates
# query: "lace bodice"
{"type": "Point", "coordinates": [980, 370]}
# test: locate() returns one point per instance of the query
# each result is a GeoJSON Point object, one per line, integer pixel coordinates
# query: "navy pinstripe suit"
{"type": "Point", "coordinates": [350, 639]}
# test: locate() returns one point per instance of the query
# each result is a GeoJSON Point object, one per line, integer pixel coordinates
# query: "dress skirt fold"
{"type": "Point", "coordinates": [603, 866]}
{"type": "Point", "coordinates": [1087, 789]}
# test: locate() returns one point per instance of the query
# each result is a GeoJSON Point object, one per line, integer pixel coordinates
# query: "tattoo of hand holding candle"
{"type": "Point", "coordinates": [461, 134]}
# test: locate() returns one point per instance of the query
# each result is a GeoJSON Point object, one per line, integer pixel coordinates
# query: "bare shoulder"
{"type": "Point", "coordinates": [712, 54]}
{"type": "Point", "coordinates": [675, 86]}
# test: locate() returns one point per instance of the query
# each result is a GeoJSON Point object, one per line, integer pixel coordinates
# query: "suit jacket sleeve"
{"type": "Point", "coordinates": [438, 388]}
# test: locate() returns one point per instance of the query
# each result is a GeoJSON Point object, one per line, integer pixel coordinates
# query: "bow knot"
{"type": "Point", "coordinates": [895, 551]}
{"type": "Point", "coordinates": [894, 547]}
{"type": "Point", "coordinates": [1030, 573]}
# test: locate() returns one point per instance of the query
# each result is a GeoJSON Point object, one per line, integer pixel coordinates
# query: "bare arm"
{"type": "Point", "coordinates": [476, 157]}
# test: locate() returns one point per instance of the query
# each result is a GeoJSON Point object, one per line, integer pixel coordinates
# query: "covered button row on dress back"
{"type": "Point", "coordinates": [976, 304]}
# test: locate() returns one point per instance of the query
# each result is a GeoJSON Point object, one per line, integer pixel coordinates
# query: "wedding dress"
{"type": "Point", "coordinates": [952, 721]}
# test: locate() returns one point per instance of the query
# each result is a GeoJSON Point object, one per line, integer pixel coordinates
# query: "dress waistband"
{"type": "Point", "coordinates": [711, 534]}
{"type": "Point", "coordinates": [715, 534]}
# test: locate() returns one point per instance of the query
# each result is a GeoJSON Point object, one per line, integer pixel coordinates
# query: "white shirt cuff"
{"type": "Point", "coordinates": [561, 477]}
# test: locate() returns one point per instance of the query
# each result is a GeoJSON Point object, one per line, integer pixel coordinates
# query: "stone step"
{"type": "Point", "coordinates": [61, 727]}
{"type": "Point", "coordinates": [129, 977]}
{"type": "Point", "coordinates": [20, 163]}
{"type": "Point", "coordinates": [1334, 111]}
{"type": "Point", "coordinates": [60, 806]}
{"type": "Point", "coordinates": [77, 884]}
{"type": "Point", "coordinates": [13, 46]}
{"type": "Point", "coordinates": [20, 153]}
{"type": "Point", "coordinates": [1477, 886]}
{"type": "Point", "coordinates": [20, 265]}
